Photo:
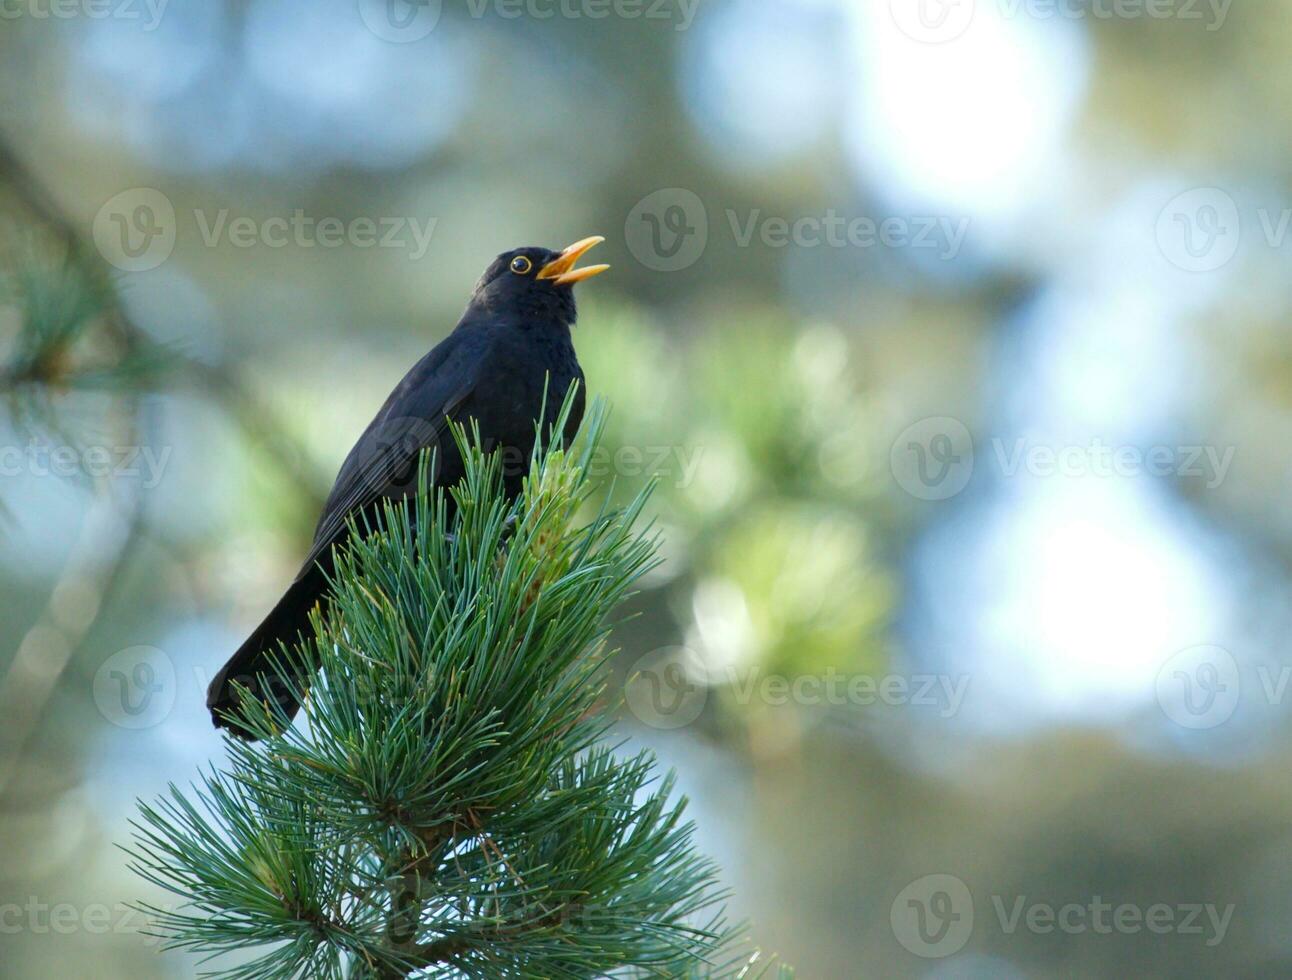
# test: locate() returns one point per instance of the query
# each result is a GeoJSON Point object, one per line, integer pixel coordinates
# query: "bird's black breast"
{"type": "Point", "coordinates": [490, 375]}
{"type": "Point", "coordinates": [525, 376]}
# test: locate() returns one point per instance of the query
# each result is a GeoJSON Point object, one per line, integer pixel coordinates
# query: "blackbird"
{"type": "Point", "coordinates": [509, 360]}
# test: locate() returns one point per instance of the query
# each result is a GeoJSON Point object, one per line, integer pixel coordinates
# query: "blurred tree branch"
{"type": "Point", "coordinates": [219, 380]}
{"type": "Point", "coordinates": [73, 334]}
{"type": "Point", "coordinates": [57, 302]}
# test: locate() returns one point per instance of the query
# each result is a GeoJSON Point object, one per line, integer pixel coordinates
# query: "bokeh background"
{"type": "Point", "coordinates": [954, 330]}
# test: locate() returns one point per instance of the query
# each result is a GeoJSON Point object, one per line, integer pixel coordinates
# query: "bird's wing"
{"type": "Point", "coordinates": [384, 460]}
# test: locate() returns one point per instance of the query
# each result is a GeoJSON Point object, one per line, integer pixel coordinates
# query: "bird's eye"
{"type": "Point", "coordinates": [521, 265]}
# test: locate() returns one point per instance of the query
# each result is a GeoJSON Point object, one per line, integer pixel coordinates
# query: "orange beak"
{"type": "Point", "coordinates": [561, 269]}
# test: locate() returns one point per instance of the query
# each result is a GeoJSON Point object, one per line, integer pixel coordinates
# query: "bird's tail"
{"type": "Point", "coordinates": [253, 665]}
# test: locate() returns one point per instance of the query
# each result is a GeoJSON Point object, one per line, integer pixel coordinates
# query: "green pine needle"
{"type": "Point", "coordinates": [448, 808]}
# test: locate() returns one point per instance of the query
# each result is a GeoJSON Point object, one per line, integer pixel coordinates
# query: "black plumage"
{"type": "Point", "coordinates": [512, 345]}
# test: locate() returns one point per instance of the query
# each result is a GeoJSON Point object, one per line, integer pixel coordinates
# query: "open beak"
{"type": "Point", "coordinates": [561, 269]}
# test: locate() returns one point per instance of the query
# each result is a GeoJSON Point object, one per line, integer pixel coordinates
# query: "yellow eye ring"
{"type": "Point", "coordinates": [521, 265]}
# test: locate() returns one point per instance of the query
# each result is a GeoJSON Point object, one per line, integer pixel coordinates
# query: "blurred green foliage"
{"type": "Point", "coordinates": [777, 379]}
{"type": "Point", "coordinates": [756, 434]}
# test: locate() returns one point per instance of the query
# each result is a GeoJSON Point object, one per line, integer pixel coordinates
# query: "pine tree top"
{"type": "Point", "coordinates": [447, 805]}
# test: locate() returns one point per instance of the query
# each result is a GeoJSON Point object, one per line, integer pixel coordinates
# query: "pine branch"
{"type": "Point", "coordinates": [68, 336]}
{"type": "Point", "coordinates": [72, 333]}
{"type": "Point", "coordinates": [449, 809]}
{"type": "Point", "coordinates": [62, 289]}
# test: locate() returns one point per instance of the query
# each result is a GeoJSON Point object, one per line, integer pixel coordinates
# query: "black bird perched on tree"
{"type": "Point", "coordinates": [511, 350]}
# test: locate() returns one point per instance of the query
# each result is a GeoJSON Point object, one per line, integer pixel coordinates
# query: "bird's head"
{"type": "Point", "coordinates": [537, 282]}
